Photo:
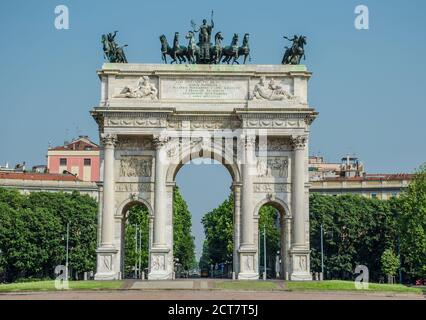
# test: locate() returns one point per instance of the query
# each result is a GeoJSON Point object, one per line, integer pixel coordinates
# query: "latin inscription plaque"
{"type": "Point", "coordinates": [204, 88]}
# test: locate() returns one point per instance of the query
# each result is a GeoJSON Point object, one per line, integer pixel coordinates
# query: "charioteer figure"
{"type": "Point", "coordinates": [204, 37]}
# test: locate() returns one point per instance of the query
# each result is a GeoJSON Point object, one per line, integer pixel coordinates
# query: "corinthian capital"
{"type": "Point", "coordinates": [298, 142]}
{"type": "Point", "coordinates": [108, 140]}
{"type": "Point", "coordinates": [160, 140]}
{"type": "Point", "coordinates": [248, 140]}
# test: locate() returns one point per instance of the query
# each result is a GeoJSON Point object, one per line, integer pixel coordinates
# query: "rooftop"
{"type": "Point", "coordinates": [82, 143]}
{"type": "Point", "coordinates": [37, 176]}
{"type": "Point", "coordinates": [373, 177]}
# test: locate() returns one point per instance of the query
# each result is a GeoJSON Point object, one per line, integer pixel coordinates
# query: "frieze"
{"type": "Point", "coordinates": [274, 123]}
{"type": "Point", "coordinates": [278, 144]}
{"type": "Point", "coordinates": [133, 187]}
{"type": "Point", "coordinates": [134, 143]}
{"type": "Point", "coordinates": [136, 122]}
{"type": "Point", "coordinates": [271, 187]}
{"type": "Point", "coordinates": [205, 124]}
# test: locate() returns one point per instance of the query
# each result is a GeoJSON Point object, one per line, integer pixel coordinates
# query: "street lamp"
{"type": "Point", "coordinates": [264, 252]}
{"type": "Point", "coordinates": [322, 250]}
{"type": "Point", "coordinates": [66, 255]}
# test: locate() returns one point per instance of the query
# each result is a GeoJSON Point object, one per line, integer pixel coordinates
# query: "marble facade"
{"type": "Point", "coordinates": [254, 119]}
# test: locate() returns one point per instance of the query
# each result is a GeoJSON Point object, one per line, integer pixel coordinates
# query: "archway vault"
{"type": "Point", "coordinates": [199, 101]}
{"type": "Point", "coordinates": [215, 153]}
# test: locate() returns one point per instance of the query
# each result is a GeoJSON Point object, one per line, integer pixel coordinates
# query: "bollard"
{"type": "Point", "coordinates": [233, 276]}
{"type": "Point", "coordinates": [321, 276]}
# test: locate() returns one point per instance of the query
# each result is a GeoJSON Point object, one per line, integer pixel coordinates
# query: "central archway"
{"type": "Point", "coordinates": [215, 155]}
{"type": "Point", "coordinates": [205, 185]}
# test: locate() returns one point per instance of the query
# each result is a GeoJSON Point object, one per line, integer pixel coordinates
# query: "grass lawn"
{"type": "Point", "coordinates": [337, 285]}
{"type": "Point", "coordinates": [50, 286]}
{"type": "Point", "coordinates": [248, 285]}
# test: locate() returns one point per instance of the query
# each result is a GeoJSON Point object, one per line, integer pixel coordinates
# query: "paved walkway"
{"type": "Point", "coordinates": [204, 295]}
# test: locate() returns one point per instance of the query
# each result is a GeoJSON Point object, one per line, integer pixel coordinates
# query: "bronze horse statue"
{"type": "Point", "coordinates": [112, 52]}
{"type": "Point", "coordinates": [193, 51]}
{"type": "Point", "coordinates": [176, 53]}
{"type": "Point", "coordinates": [217, 49]}
{"type": "Point", "coordinates": [244, 50]}
{"type": "Point", "coordinates": [294, 54]}
{"type": "Point", "coordinates": [232, 51]}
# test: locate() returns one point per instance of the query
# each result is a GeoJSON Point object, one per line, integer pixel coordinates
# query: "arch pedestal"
{"type": "Point", "coordinates": [211, 112]}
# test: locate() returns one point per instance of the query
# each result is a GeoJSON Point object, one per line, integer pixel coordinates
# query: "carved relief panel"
{"type": "Point", "coordinates": [273, 167]}
{"type": "Point", "coordinates": [136, 166]}
{"type": "Point", "coordinates": [134, 143]}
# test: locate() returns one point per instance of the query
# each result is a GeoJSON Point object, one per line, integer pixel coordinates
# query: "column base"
{"type": "Point", "coordinates": [248, 263]}
{"type": "Point", "coordinates": [161, 264]}
{"type": "Point", "coordinates": [300, 265]}
{"type": "Point", "coordinates": [248, 276]}
{"type": "Point", "coordinates": [106, 266]}
{"type": "Point", "coordinates": [298, 276]}
{"type": "Point", "coordinates": [160, 276]}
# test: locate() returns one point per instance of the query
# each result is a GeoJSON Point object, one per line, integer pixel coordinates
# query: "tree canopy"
{"type": "Point", "coordinates": [33, 228]}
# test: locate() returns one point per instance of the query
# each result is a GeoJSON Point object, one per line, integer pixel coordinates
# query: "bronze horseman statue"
{"type": "Point", "coordinates": [294, 54]}
{"type": "Point", "coordinates": [112, 52]}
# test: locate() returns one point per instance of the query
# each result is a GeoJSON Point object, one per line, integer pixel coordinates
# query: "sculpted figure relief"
{"type": "Point", "coordinates": [135, 167]}
{"type": "Point", "coordinates": [270, 91]}
{"type": "Point", "coordinates": [273, 167]}
{"type": "Point", "coordinates": [144, 89]}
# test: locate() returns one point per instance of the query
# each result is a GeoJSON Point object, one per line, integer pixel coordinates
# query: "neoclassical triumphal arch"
{"type": "Point", "coordinates": [254, 119]}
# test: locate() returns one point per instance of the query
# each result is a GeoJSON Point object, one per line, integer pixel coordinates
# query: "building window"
{"type": "Point", "coordinates": [87, 162]}
{"type": "Point", "coordinates": [62, 161]}
{"type": "Point", "coordinates": [374, 195]}
{"type": "Point", "coordinates": [394, 194]}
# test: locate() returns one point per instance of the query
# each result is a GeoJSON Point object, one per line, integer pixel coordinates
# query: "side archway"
{"type": "Point", "coordinates": [278, 236]}
{"type": "Point", "coordinates": [134, 216]}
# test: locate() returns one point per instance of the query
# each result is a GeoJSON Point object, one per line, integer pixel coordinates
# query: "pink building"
{"type": "Point", "coordinates": [79, 157]}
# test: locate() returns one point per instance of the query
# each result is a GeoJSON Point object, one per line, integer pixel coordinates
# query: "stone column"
{"type": "Point", "coordinates": [248, 249]}
{"type": "Point", "coordinates": [160, 195]}
{"type": "Point", "coordinates": [237, 224]}
{"type": "Point", "coordinates": [298, 190]}
{"type": "Point", "coordinates": [160, 253]}
{"type": "Point", "coordinates": [299, 250]}
{"type": "Point", "coordinates": [107, 266]}
{"type": "Point", "coordinates": [247, 193]}
{"type": "Point", "coordinates": [107, 238]}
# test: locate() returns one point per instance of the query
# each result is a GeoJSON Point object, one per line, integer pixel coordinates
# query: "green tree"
{"type": "Point", "coordinates": [137, 215]}
{"type": "Point", "coordinates": [356, 230]}
{"type": "Point", "coordinates": [218, 229]}
{"type": "Point", "coordinates": [183, 241]}
{"type": "Point", "coordinates": [411, 210]}
{"type": "Point", "coordinates": [183, 244]}
{"type": "Point", "coordinates": [390, 263]}
{"type": "Point", "coordinates": [32, 233]}
{"type": "Point", "coordinates": [269, 216]}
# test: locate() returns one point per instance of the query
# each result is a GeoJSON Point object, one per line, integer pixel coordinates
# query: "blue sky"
{"type": "Point", "coordinates": [368, 85]}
